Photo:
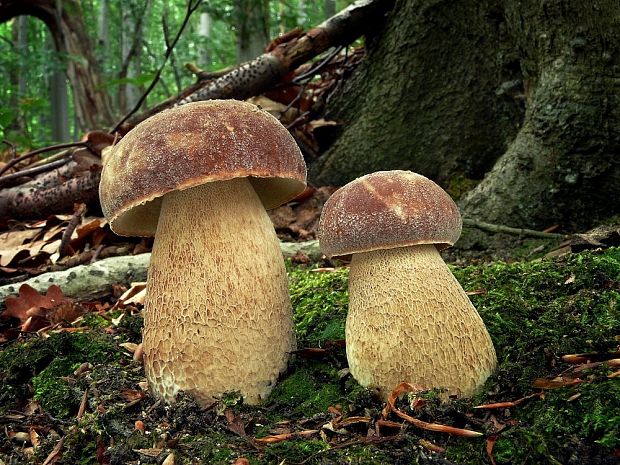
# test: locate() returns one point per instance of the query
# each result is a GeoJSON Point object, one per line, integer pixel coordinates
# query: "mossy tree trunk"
{"type": "Point", "coordinates": [430, 97]}
{"type": "Point", "coordinates": [528, 92]}
{"type": "Point", "coordinates": [564, 165]}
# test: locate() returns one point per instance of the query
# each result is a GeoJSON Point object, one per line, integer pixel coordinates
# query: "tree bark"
{"type": "Point", "coordinates": [563, 166]}
{"type": "Point", "coordinates": [428, 97]}
{"type": "Point", "coordinates": [69, 32]}
{"type": "Point", "coordinates": [449, 88]}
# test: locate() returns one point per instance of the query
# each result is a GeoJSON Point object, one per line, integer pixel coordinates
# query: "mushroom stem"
{"type": "Point", "coordinates": [217, 313]}
{"type": "Point", "coordinates": [410, 320]}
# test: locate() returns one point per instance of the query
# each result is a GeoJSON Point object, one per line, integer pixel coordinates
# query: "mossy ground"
{"type": "Point", "coordinates": [535, 312]}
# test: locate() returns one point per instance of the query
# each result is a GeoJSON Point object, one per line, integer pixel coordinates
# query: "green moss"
{"type": "Point", "coordinates": [21, 361]}
{"type": "Point", "coordinates": [320, 305]}
{"type": "Point", "coordinates": [459, 184]}
{"type": "Point", "coordinates": [535, 312]}
{"type": "Point", "coordinates": [216, 448]}
{"type": "Point", "coordinates": [54, 392]}
{"type": "Point", "coordinates": [544, 309]}
{"type": "Point", "coordinates": [309, 390]}
{"type": "Point", "coordinates": [294, 451]}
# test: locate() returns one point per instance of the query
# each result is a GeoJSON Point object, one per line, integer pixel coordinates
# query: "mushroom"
{"type": "Point", "coordinates": [198, 177]}
{"type": "Point", "coordinates": [409, 319]}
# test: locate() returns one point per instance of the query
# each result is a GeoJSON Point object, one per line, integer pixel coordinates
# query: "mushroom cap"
{"type": "Point", "coordinates": [193, 144]}
{"type": "Point", "coordinates": [388, 209]}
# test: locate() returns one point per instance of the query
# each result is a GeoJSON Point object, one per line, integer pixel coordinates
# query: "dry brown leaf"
{"type": "Point", "coordinates": [339, 423]}
{"type": "Point", "coordinates": [491, 440]}
{"type": "Point", "coordinates": [234, 422]}
{"type": "Point", "coordinates": [132, 395]}
{"type": "Point", "coordinates": [11, 244]}
{"type": "Point", "coordinates": [152, 452]}
{"type": "Point", "coordinates": [431, 446]}
{"type": "Point", "coordinates": [507, 404]}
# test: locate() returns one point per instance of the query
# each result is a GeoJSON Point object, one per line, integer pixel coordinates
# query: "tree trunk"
{"type": "Point", "coordinates": [450, 87]}
{"type": "Point", "coordinates": [59, 101]}
{"type": "Point", "coordinates": [329, 8]}
{"type": "Point", "coordinates": [18, 72]}
{"type": "Point", "coordinates": [204, 37]}
{"type": "Point", "coordinates": [563, 166]}
{"type": "Point", "coordinates": [252, 28]}
{"type": "Point", "coordinates": [426, 98]}
{"type": "Point", "coordinates": [103, 30]}
{"type": "Point", "coordinates": [69, 32]}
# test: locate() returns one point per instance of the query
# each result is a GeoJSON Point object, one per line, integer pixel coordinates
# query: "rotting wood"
{"type": "Point", "coordinates": [88, 281]}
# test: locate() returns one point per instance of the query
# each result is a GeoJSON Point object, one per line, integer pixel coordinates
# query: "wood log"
{"type": "Point", "coordinates": [94, 280]}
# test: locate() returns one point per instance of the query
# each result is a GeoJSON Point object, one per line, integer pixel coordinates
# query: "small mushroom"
{"type": "Point", "coordinates": [409, 319]}
{"type": "Point", "coordinates": [217, 314]}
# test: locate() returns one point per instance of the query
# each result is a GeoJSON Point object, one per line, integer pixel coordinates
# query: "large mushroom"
{"type": "Point", "coordinates": [198, 177]}
{"type": "Point", "coordinates": [409, 319]}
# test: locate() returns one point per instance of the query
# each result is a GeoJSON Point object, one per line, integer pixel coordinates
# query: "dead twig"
{"type": "Point", "coordinates": [406, 387]}
{"type": "Point", "coordinates": [53, 456]}
{"type": "Point", "coordinates": [499, 228]}
{"type": "Point", "coordinates": [31, 154]}
{"type": "Point", "coordinates": [34, 170]}
{"type": "Point", "coordinates": [64, 248]}
{"type": "Point", "coordinates": [508, 404]}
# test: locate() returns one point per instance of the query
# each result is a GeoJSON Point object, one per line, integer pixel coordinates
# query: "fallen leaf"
{"type": "Point", "coordinates": [234, 422]}
{"type": "Point", "coordinates": [431, 446]}
{"type": "Point", "coordinates": [555, 383]}
{"type": "Point", "coordinates": [507, 404]}
{"type": "Point", "coordinates": [152, 452]}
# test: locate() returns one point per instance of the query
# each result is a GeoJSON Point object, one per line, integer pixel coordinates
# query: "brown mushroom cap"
{"type": "Point", "coordinates": [388, 209]}
{"type": "Point", "coordinates": [193, 144]}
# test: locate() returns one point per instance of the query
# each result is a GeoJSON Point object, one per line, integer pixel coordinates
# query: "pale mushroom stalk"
{"type": "Point", "coordinates": [200, 176]}
{"type": "Point", "coordinates": [409, 319]}
{"type": "Point", "coordinates": [217, 313]}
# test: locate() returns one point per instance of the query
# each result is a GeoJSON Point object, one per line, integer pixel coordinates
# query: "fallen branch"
{"type": "Point", "coordinates": [498, 228]}
{"type": "Point", "coordinates": [256, 76]}
{"type": "Point", "coordinates": [93, 280]}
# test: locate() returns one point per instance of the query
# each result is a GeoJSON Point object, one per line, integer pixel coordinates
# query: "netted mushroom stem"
{"type": "Point", "coordinates": [410, 320]}
{"type": "Point", "coordinates": [217, 316]}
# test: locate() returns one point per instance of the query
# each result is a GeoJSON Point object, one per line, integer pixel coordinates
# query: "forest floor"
{"type": "Point", "coordinates": [72, 393]}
